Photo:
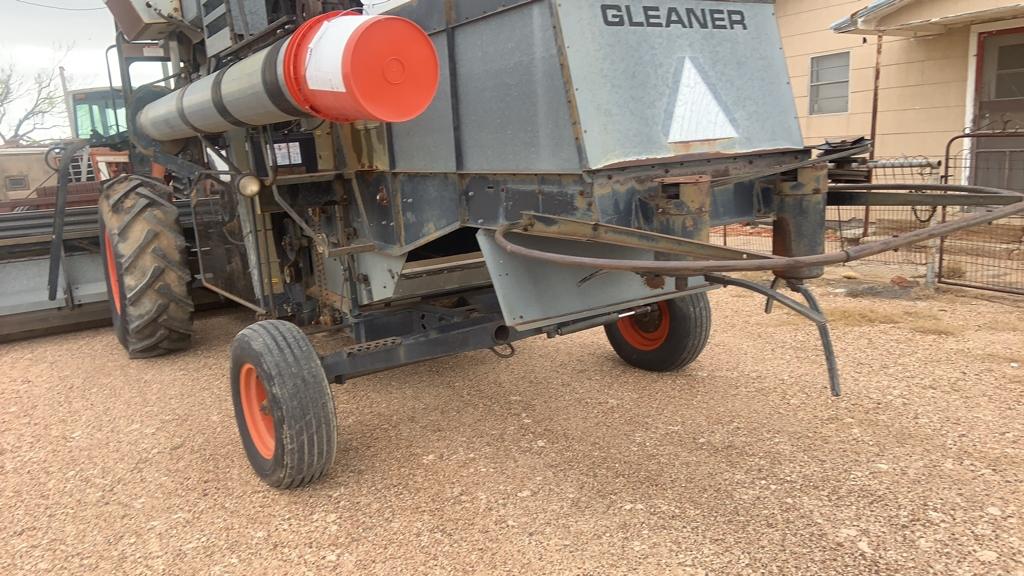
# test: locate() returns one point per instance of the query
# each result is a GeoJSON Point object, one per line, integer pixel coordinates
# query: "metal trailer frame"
{"type": "Point", "coordinates": [336, 241]}
{"type": "Point", "coordinates": [372, 175]}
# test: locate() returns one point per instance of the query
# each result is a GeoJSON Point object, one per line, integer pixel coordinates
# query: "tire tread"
{"type": "Point", "coordinates": [688, 336]}
{"type": "Point", "coordinates": [149, 246]}
{"type": "Point", "coordinates": [295, 381]}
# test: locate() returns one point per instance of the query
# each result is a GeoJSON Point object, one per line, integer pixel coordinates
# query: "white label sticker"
{"type": "Point", "coordinates": [286, 154]}
{"type": "Point", "coordinates": [323, 60]}
{"type": "Point", "coordinates": [698, 115]}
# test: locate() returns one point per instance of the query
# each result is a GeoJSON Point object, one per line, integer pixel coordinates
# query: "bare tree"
{"type": "Point", "coordinates": [29, 106]}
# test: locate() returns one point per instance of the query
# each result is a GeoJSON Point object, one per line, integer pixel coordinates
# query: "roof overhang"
{"type": "Point", "coordinates": [872, 20]}
{"type": "Point", "coordinates": [863, 17]}
{"type": "Point", "coordinates": [13, 150]}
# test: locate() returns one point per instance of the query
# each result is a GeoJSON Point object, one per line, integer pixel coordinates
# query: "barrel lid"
{"type": "Point", "coordinates": [386, 70]}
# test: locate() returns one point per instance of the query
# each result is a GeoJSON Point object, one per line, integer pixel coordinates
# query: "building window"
{"type": "Point", "coordinates": [1010, 72]}
{"type": "Point", "coordinates": [830, 83]}
{"type": "Point", "coordinates": [15, 183]}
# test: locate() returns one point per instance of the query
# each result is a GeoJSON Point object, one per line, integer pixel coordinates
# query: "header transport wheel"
{"type": "Point", "coordinates": [668, 337]}
{"type": "Point", "coordinates": [283, 404]}
{"type": "Point", "coordinates": [146, 267]}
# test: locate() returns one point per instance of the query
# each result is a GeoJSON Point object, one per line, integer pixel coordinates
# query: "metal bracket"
{"type": "Point", "coordinates": [503, 354]}
{"type": "Point", "coordinates": [811, 310]}
{"type": "Point", "coordinates": [574, 229]}
{"type": "Point", "coordinates": [475, 332]}
{"type": "Point", "coordinates": [57, 238]}
{"type": "Point", "coordinates": [360, 248]}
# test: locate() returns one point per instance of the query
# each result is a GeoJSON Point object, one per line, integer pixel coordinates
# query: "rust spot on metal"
{"type": "Point", "coordinates": [684, 153]}
{"type": "Point", "coordinates": [691, 179]}
{"type": "Point", "coordinates": [654, 281]}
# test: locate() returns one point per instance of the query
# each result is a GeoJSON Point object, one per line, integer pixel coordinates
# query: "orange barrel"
{"type": "Point", "coordinates": [388, 69]}
{"type": "Point", "coordinates": [339, 66]}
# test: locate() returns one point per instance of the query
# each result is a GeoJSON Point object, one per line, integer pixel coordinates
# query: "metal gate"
{"type": "Point", "coordinates": [988, 257]}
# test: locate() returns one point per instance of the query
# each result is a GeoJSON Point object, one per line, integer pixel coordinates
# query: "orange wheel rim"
{"type": "Point", "coordinates": [646, 331]}
{"type": "Point", "coordinates": [115, 282]}
{"type": "Point", "coordinates": [256, 409]}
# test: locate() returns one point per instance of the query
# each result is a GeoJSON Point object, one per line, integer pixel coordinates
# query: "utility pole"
{"type": "Point", "coordinates": [69, 106]}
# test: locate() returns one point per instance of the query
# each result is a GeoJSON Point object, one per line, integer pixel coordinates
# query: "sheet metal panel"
{"type": "Point", "coordinates": [513, 111]}
{"type": "Point", "coordinates": [668, 78]}
{"type": "Point", "coordinates": [427, 143]}
{"type": "Point", "coordinates": [430, 15]}
{"type": "Point", "coordinates": [533, 293]}
{"type": "Point", "coordinates": [429, 206]}
{"type": "Point", "coordinates": [23, 283]}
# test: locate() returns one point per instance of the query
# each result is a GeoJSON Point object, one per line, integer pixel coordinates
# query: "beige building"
{"type": "Point", "coordinates": [944, 66]}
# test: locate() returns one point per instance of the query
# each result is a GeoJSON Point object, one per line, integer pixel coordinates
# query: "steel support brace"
{"type": "Point", "coordinates": [811, 310]}
{"type": "Point", "coordinates": [856, 198]}
{"type": "Point", "coordinates": [826, 338]}
{"type": "Point", "coordinates": [573, 229]}
{"type": "Point", "coordinates": [750, 264]}
{"type": "Point", "coordinates": [799, 228]}
{"type": "Point", "coordinates": [57, 238]}
{"type": "Point", "coordinates": [477, 333]}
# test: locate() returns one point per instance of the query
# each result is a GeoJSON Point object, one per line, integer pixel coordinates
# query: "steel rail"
{"type": "Point", "coordinates": [57, 242]}
{"type": "Point", "coordinates": [77, 221]}
{"type": "Point", "coordinates": [771, 171]}
{"type": "Point", "coordinates": [696, 267]}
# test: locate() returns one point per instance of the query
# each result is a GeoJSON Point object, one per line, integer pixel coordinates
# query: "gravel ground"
{"type": "Point", "coordinates": [561, 460]}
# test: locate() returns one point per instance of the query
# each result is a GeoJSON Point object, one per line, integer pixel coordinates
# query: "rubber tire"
{"type": "Point", "coordinates": [151, 264]}
{"type": "Point", "coordinates": [299, 398]}
{"type": "Point", "coordinates": [689, 329]}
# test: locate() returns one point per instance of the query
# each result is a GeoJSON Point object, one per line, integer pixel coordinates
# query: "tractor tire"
{"type": "Point", "coordinates": [283, 404]}
{"type": "Point", "coordinates": [146, 267]}
{"type": "Point", "coordinates": [665, 339]}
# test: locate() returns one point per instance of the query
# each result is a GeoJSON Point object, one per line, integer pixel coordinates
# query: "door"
{"type": "Point", "coordinates": [998, 160]}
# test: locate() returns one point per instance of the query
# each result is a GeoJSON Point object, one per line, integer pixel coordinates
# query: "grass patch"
{"type": "Point", "coordinates": [953, 270]}
{"type": "Point", "coordinates": [1008, 325]}
{"type": "Point", "coordinates": [936, 327]}
{"type": "Point", "coordinates": [918, 321]}
{"type": "Point", "coordinates": [864, 316]}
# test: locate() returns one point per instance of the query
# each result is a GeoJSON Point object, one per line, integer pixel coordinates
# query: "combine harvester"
{"type": "Point", "coordinates": [457, 175]}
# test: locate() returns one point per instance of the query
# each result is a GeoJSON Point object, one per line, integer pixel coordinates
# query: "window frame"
{"type": "Point", "coordinates": [22, 177]}
{"type": "Point", "coordinates": [994, 96]}
{"type": "Point", "coordinates": [811, 84]}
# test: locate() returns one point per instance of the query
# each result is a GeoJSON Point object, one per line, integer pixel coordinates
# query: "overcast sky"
{"type": "Point", "coordinates": [32, 38]}
{"type": "Point", "coordinates": [35, 39]}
